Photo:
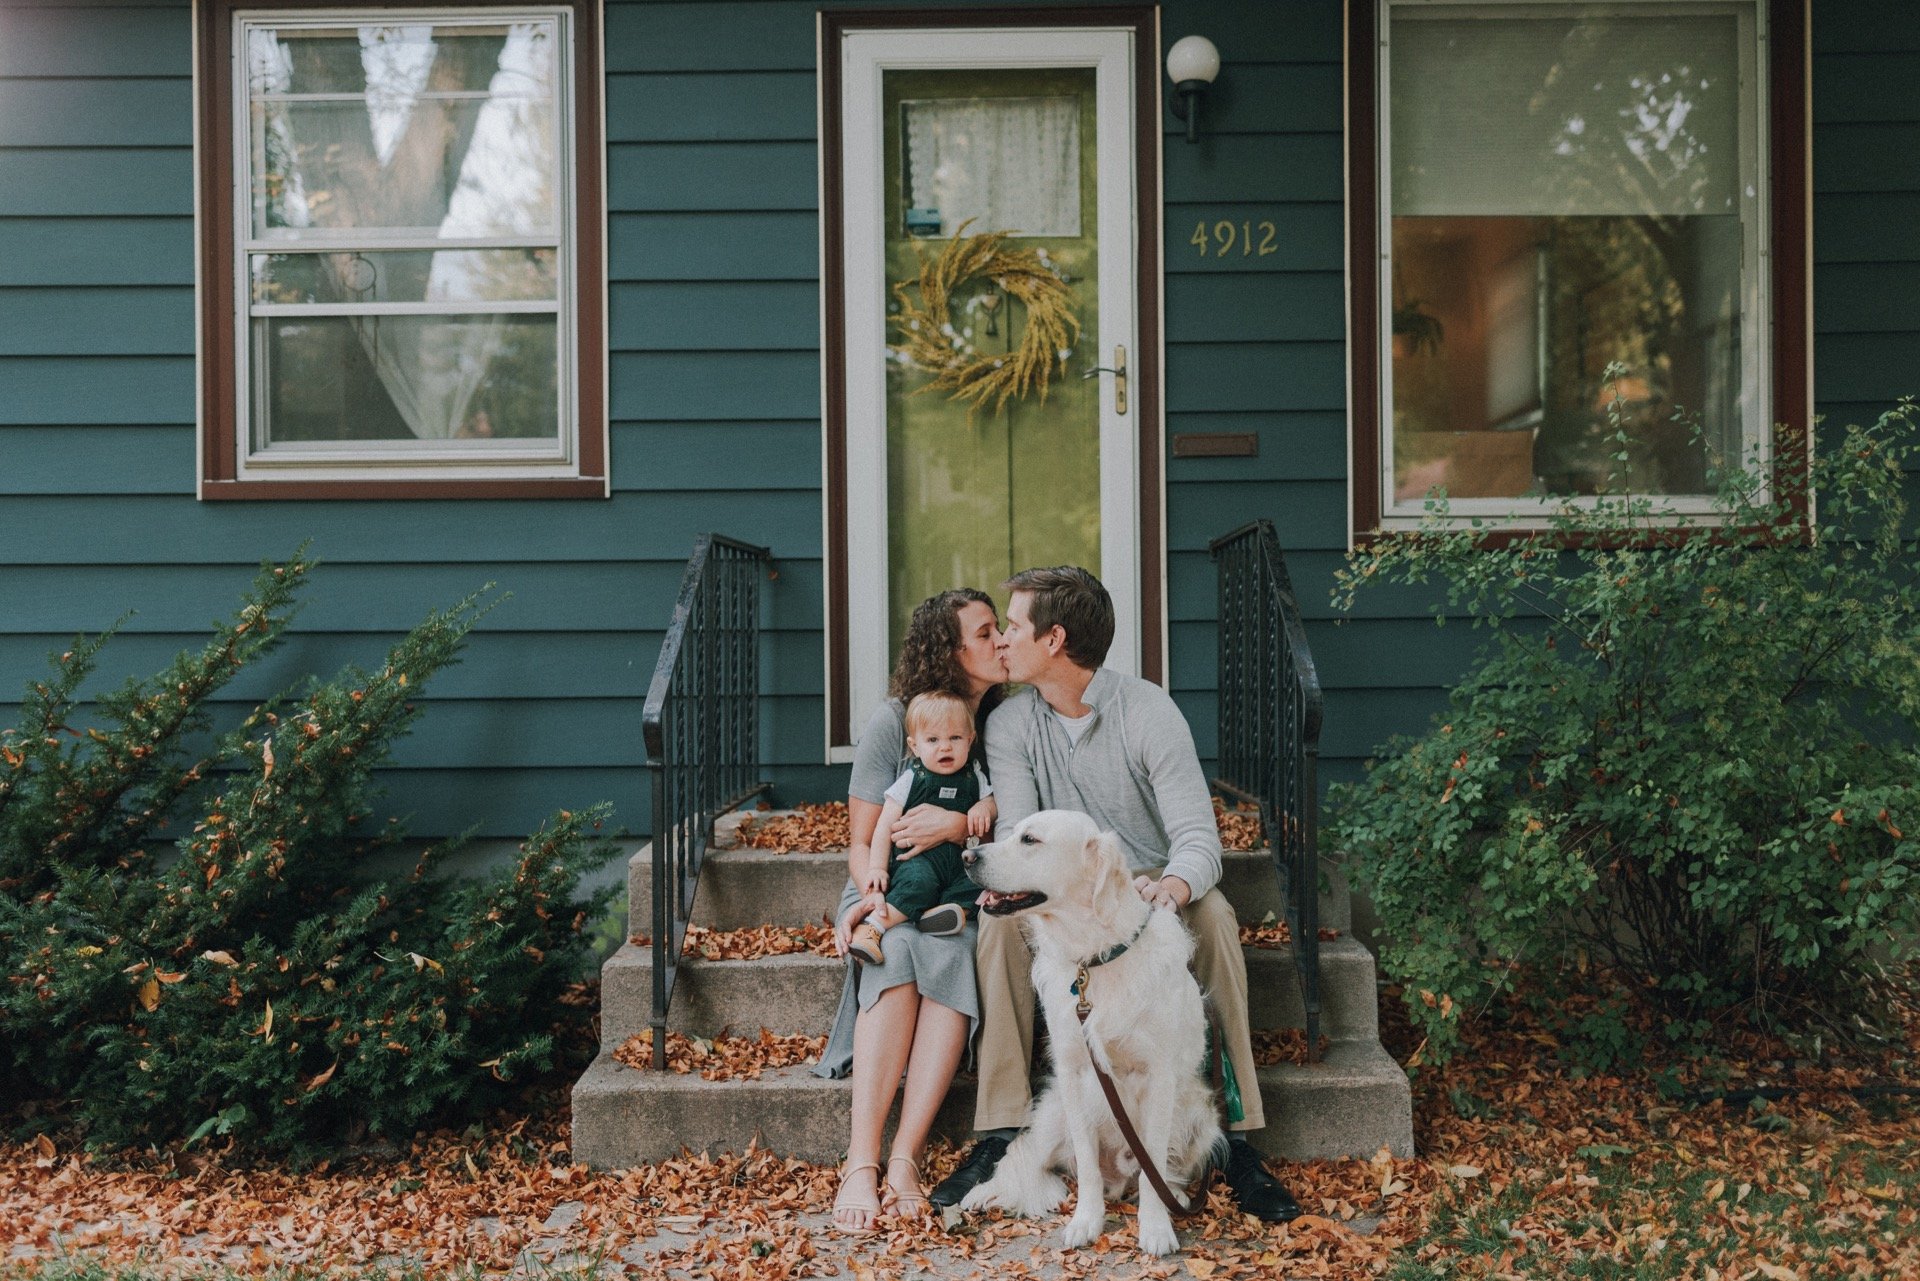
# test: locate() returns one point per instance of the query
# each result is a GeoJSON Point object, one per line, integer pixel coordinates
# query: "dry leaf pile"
{"type": "Point", "coordinates": [806, 827]}
{"type": "Point", "coordinates": [1273, 1045]}
{"type": "Point", "coordinates": [751, 943]}
{"type": "Point", "coordinates": [1271, 933]}
{"type": "Point", "coordinates": [725, 1057]}
{"type": "Point", "coordinates": [826, 826]}
{"type": "Point", "coordinates": [1239, 826]}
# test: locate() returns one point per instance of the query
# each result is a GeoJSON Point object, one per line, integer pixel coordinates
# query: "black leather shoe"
{"type": "Point", "coordinates": [975, 1169]}
{"type": "Point", "coordinates": [1254, 1190]}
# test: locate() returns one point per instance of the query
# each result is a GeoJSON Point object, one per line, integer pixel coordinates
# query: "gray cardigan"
{"type": "Point", "coordinates": [1134, 771]}
{"type": "Point", "coordinates": [879, 755]}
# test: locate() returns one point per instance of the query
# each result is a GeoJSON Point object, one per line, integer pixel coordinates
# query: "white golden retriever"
{"type": "Point", "coordinates": [1069, 882]}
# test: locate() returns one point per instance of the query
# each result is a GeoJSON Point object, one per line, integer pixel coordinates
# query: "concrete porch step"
{"type": "Point", "coordinates": [1351, 1104]}
{"type": "Point", "coordinates": [742, 887]}
{"type": "Point", "coordinates": [800, 992]}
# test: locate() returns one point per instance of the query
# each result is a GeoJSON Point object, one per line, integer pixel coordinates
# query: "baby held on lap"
{"type": "Point", "coordinates": [931, 888]}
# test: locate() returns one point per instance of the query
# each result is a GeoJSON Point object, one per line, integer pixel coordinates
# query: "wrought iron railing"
{"type": "Point", "coordinates": [702, 728]}
{"type": "Point", "coordinates": [1270, 710]}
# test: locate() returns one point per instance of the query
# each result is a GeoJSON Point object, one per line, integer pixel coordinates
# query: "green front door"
{"type": "Point", "coordinates": [975, 492]}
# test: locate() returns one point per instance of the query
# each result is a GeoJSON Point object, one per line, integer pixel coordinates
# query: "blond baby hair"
{"type": "Point", "coordinates": [937, 707]}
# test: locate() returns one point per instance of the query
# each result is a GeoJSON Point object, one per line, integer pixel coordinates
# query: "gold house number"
{"type": "Point", "coordinates": [1227, 235]}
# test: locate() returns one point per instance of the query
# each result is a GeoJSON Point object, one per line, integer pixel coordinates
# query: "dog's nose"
{"type": "Point", "coordinates": [970, 855]}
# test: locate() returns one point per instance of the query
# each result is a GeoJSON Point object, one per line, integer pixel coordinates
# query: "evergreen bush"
{"type": "Point", "coordinates": [1687, 757]}
{"type": "Point", "coordinates": [257, 981]}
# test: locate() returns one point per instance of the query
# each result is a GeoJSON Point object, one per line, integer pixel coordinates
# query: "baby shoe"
{"type": "Point", "coordinates": [942, 919]}
{"type": "Point", "coordinates": [865, 945]}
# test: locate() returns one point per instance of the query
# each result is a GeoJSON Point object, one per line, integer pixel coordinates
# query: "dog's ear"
{"type": "Point", "coordinates": [1107, 863]}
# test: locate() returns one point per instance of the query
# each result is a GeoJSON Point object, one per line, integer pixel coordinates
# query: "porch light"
{"type": "Point", "coordinates": [1192, 64]}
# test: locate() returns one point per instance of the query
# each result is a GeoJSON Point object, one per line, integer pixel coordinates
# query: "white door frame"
{"type": "Point", "coordinates": [865, 56]}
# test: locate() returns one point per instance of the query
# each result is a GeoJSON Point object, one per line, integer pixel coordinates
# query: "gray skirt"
{"type": "Point", "coordinates": [942, 968]}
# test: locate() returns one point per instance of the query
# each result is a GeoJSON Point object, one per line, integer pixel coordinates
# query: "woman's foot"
{"type": "Point", "coordinates": [858, 1203]}
{"type": "Point", "coordinates": [905, 1196]}
{"type": "Point", "coordinates": [865, 945]}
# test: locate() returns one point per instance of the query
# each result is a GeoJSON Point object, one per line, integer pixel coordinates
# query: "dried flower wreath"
{"type": "Point", "coordinates": [930, 342]}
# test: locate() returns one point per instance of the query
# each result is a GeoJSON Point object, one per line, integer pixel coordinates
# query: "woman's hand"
{"type": "Point", "coordinates": [843, 928]}
{"type": "Point", "coordinates": [925, 826]}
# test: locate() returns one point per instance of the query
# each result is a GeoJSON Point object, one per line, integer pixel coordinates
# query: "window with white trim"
{"type": "Point", "coordinates": [406, 283]}
{"type": "Point", "coordinates": [1573, 280]}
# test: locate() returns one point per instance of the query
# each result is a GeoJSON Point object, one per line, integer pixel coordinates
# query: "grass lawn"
{"type": "Point", "coordinates": [1526, 1169]}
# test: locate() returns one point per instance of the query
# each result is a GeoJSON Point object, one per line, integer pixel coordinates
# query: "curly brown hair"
{"type": "Point", "coordinates": [929, 655]}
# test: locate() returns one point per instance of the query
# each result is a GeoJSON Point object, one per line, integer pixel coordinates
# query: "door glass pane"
{"type": "Point", "coordinates": [975, 494]}
{"type": "Point", "coordinates": [1568, 194]}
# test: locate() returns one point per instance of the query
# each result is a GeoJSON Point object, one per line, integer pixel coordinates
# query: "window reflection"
{"type": "Point", "coordinates": [1567, 194]}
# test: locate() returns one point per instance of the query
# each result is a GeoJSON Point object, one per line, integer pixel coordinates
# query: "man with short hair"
{"type": "Point", "coordinates": [1116, 748]}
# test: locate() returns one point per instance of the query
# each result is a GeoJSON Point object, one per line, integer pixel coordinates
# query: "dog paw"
{"type": "Point", "coordinates": [980, 1197]}
{"type": "Point", "coordinates": [1158, 1238]}
{"type": "Point", "coordinates": [1084, 1227]}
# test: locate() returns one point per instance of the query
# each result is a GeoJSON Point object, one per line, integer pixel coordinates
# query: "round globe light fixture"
{"type": "Point", "coordinates": [1192, 64]}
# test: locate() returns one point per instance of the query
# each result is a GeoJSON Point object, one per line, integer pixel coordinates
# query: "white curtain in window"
{"type": "Point", "coordinates": [1548, 116]}
{"type": "Point", "coordinates": [431, 366]}
{"type": "Point", "coordinates": [1009, 164]}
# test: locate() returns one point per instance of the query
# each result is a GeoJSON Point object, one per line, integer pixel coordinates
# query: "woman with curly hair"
{"type": "Point", "coordinates": [915, 1012]}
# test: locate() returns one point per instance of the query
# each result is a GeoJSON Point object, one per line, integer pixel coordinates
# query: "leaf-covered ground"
{"type": "Point", "coordinates": [1525, 1170]}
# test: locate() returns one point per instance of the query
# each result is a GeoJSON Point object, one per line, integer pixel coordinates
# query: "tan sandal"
{"type": "Point", "coordinates": [903, 1203]}
{"type": "Point", "coordinates": [846, 1203]}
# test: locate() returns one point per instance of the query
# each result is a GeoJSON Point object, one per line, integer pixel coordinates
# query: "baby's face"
{"type": "Point", "coordinates": [943, 748]}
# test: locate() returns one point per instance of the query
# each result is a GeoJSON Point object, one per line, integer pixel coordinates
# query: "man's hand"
{"type": "Point", "coordinates": [1168, 891]}
{"type": "Point", "coordinates": [925, 826]}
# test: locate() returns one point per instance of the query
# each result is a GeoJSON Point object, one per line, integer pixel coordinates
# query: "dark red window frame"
{"type": "Point", "coordinates": [218, 290]}
{"type": "Point", "coordinates": [1789, 117]}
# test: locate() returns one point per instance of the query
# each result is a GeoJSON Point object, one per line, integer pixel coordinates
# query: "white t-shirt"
{"type": "Point", "coordinates": [1076, 726]}
{"type": "Point", "coordinates": [903, 786]}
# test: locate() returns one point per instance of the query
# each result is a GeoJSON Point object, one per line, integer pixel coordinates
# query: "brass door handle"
{"type": "Point", "coordinates": [1119, 372]}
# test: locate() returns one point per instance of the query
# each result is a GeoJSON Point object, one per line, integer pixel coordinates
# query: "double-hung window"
{"type": "Point", "coordinates": [1578, 251]}
{"type": "Point", "coordinates": [401, 280]}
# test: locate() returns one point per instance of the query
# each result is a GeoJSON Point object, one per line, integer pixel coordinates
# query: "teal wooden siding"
{"type": "Point", "coordinates": [714, 331]}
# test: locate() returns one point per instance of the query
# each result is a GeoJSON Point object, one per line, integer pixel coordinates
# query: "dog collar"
{"type": "Point", "coordinates": [1118, 950]}
{"type": "Point", "coordinates": [1078, 988]}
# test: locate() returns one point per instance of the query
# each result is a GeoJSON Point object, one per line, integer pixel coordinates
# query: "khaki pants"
{"type": "Point", "coordinates": [1007, 1004]}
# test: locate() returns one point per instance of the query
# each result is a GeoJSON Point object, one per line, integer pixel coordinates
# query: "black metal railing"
{"type": "Point", "coordinates": [702, 727]}
{"type": "Point", "coordinates": [1270, 710]}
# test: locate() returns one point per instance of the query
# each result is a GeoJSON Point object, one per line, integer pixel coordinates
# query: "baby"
{"type": "Point", "coordinates": [931, 889]}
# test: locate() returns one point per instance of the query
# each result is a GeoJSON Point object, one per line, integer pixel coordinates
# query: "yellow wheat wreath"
{"type": "Point", "coordinates": [930, 340]}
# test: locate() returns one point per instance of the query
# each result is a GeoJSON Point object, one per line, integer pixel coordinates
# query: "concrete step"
{"type": "Point", "coordinates": [1351, 1104]}
{"type": "Point", "coordinates": [745, 887]}
{"type": "Point", "coordinates": [800, 993]}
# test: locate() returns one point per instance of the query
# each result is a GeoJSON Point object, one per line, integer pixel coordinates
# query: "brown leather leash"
{"type": "Point", "coordinates": [1149, 1170]}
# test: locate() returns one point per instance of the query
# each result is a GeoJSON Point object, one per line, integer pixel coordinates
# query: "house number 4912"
{"type": "Point", "coordinates": [1228, 236]}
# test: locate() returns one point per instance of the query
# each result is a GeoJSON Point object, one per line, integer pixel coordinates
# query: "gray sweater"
{"type": "Point", "coordinates": [1135, 772]}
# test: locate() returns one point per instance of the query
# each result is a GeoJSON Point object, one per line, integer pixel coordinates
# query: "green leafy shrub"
{"type": "Point", "coordinates": [258, 982]}
{"type": "Point", "coordinates": [1687, 754]}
